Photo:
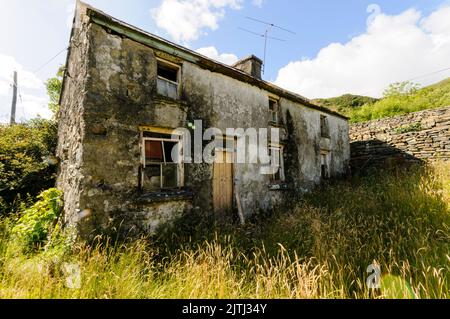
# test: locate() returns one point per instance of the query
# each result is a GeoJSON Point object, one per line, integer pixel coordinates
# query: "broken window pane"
{"type": "Point", "coordinates": [161, 166]}
{"type": "Point", "coordinates": [152, 177]}
{"type": "Point", "coordinates": [167, 72]}
{"type": "Point", "coordinates": [169, 148]}
{"type": "Point", "coordinates": [170, 175]}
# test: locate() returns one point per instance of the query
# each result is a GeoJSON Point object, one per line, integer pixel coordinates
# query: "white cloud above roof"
{"type": "Point", "coordinates": [187, 20]}
{"type": "Point", "coordinates": [394, 48]}
{"type": "Point", "coordinates": [213, 53]}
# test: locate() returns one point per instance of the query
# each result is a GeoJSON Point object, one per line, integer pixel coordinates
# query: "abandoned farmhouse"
{"type": "Point", "coordinates": [124, 93]}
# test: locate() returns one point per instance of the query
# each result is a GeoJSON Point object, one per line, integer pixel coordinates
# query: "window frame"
{"type": "Point", "coordinates": [180, 163]}
{"type": "Point", "coordinates": [324, 126]}
{"type": "Point", "coordinates": [281, 171]}
{"type": "Point", "coordinates": [324, 156]}
{"type": "Point", "coordinates": [173, 66]}
{"type": "Point", "coordinates": [276, 113]}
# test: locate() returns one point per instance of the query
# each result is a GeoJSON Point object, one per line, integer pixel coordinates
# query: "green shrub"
{"type": "Point", "coordinates": [416, 127]}
{"type": "Point", "coordinates": [24, 168]}
{"type": "Point", "coordinates": [33, 228]}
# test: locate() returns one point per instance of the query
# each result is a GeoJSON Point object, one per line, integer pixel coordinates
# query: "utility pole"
{"type": "Point", "coordinates": [14, 100]}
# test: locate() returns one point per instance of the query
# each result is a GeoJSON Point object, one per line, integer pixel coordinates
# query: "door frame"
{"type": "Point", "coordinates": [232, 152]}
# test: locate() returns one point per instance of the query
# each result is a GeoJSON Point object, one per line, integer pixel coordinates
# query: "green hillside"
{"type": "Point", "coordinates": [345, 104]}
{"type": "Point", "coordinates": [399, 98]}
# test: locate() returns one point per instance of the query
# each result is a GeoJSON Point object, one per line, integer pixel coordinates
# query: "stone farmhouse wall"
{"type": "Point", "coordinates": [420, 136]}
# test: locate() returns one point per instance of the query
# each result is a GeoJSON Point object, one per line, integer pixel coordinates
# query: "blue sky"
{"type": "Point", "coordinates": [339, 46]}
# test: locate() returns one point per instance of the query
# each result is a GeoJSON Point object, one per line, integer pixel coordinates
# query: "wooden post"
{"type": "Point", "coordinates": [239, 206]}
{"type": "Point", "coordinates": [14, 100]}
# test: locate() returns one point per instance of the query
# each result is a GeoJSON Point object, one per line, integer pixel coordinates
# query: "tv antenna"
{"type": "Point", "coordinates": [265, 35]}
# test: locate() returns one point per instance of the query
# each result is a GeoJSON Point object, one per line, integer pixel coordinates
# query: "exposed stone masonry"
{"type": "Point", "coordinates": [420, 136]}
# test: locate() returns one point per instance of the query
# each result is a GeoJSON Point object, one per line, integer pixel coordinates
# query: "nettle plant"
{"type": "Point", "coordinates": [37, 222]}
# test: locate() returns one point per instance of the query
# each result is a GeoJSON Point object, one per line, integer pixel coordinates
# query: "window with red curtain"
{"type": "Point", "coordinates": [154, 151]}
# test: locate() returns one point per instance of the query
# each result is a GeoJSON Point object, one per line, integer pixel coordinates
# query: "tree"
{"type": "Point", "coordinates": [401, 88]}
{"type": "Point", "coordinates": [54, 86]}
{"type": "Point", "coordinates": [26, 166]}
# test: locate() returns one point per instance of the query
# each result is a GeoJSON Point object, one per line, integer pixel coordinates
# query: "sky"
{"type": "Point", "coordinates": [334, 47]}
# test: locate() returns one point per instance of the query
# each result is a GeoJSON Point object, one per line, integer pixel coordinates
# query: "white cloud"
{"type": "Point", "coordinates": [186, 20]}
{"type": "Point", "coordinates": [28, 105]}
{"type": "Point", "coordinates": [394, 48]}
{"type": "Point", "coordinates": [7, 67]}
{"type": "Point", "coordinates": [258, 3]}
{"type": "Point", "coordinates": [211, 52]}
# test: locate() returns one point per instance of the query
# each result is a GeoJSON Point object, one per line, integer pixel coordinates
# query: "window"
{"type": "Point", "coordinates": [168, 79]}
{"type": "Point", "coordinates": [162, 161]}
{"type": "Point", "coordinates": [274, 109]}
{"type": "Point", "coordinates": [277, 158]}
{"type": "Point", "coordinates": [324, 128]}
{"type": "Point", "coordinates": [325, 174]}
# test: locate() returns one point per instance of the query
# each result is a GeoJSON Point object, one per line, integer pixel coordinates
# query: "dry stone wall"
{"type": "Point", "coordinates": [420, 136]}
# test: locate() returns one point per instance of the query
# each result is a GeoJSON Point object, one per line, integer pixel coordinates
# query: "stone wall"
{"type": "Point", "coordinates": [420, 136]}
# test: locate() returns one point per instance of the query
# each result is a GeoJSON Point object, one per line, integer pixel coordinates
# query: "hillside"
{"type": "Point", "coordinates": [399, 98]}
{"type": "Point", "coordinates": [345, 104]}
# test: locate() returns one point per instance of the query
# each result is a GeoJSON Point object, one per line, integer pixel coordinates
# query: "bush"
{"type": "Point", "coordinates": [33, 228]}
{"type": "Point", "coordinates": [25, 170]}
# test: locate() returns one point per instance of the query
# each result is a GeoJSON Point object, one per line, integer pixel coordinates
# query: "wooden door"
{"type": "Point", "coordinates": [223, 182]}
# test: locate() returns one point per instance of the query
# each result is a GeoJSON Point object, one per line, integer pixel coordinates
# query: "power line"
{"type": "Point", "coordinates": [46, 63]}
{"type": "Point", "coordinates": [428, 74]}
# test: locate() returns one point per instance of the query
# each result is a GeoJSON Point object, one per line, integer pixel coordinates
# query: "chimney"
{"type": "Point", "coordinates": [251, 65]}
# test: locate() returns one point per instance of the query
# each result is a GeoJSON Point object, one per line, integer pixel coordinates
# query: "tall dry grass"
{"type": "Point", "coordinates": [320, 248]}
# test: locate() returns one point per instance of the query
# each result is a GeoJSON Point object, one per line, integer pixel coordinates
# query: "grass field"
{"type": "Point", "coordinates": [318, 246]}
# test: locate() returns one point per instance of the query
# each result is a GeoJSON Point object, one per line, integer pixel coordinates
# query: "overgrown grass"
{"type": "Point", "coordinates": [320, 248]}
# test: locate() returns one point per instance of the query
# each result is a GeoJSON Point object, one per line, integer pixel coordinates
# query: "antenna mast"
{"type": "Point", "coordinates": [269, 27]}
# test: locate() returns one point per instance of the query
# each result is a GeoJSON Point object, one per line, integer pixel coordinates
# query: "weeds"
{"type": "Point", "coordinates": [320, 248]}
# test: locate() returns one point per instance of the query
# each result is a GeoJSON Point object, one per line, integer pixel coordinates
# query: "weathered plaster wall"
{"type": "Point", "coordinates": [224, 102]}
{"type": "Point", "coordinates": [416, 136]}
{"type": "Point", "coordinates": [116, 92]}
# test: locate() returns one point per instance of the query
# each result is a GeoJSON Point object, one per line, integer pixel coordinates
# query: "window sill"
{"type": "Point", "coordinates": [165, 98]}
{"type": "Point", "coordinates": [165, 195]}
{"type": "Point", "coordinates": [275, 124]}
{"type": "Point", "coordinates": [279, 186]}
